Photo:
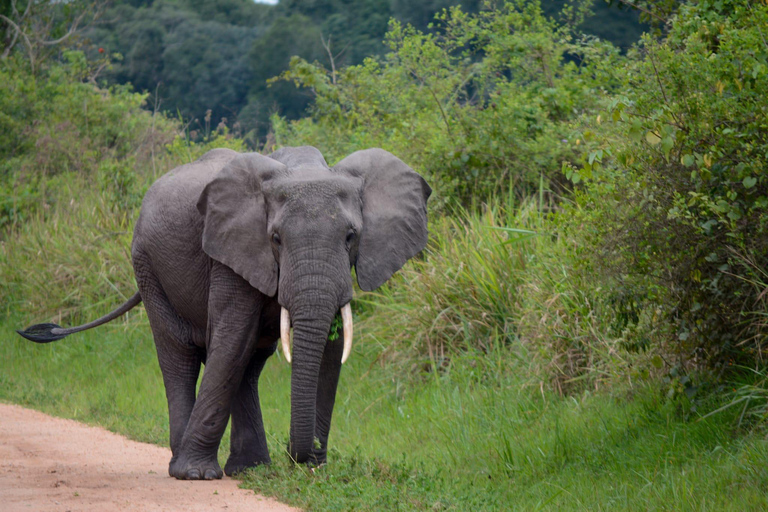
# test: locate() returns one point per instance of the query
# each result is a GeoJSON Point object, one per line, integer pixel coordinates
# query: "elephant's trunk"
{"type": "Point", "coordinates": [310, 334]}
{"type": "Point", "coordinates": [314, 284]}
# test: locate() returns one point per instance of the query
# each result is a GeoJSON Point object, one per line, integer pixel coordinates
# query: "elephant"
{"type": "Point", "coordinates": [232, 250]}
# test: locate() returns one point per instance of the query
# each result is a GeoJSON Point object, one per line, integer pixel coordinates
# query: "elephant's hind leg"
{"type": "Point", "coordinates": [248, 442]}
{"type": "Point", "coordinates": [179, 359]}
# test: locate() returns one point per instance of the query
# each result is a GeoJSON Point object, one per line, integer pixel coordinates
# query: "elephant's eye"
{"type": "Point", "coordinates": [350, 237]}
{"type": "Point", "coordinates": [276, 238]}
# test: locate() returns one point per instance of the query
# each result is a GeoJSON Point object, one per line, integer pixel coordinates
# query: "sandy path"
{"type": "Point", "coordinates": [53, 464]}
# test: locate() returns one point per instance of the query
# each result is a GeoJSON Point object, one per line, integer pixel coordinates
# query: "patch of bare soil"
{"type": "Point", "coordinates": [53, 464]}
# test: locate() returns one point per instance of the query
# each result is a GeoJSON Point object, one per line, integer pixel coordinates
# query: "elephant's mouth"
{"type": "Point", "coordinates": [347, 326]}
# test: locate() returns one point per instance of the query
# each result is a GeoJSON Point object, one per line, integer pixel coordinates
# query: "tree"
{"type": "Point", "coordinates": [40, 27]}
{"type": "Point", "coordinates": [192, 55]}
{"type": "Point", "coordinates": [269, 56]}
{"type": "Point", "coordinates": [255, 42]}
{"type": "Point", "coordinates": [483, 104]}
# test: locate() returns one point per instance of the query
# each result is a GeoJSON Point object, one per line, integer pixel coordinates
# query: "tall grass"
{"type": "Point", "coordinates": [503, 279]}
{"type": "Point", "coordinates": [750, 394]}
{"type": "Point", "coordinates": [71, 260]}
{"type": "Point", "coordinates": [72, 266]}
{"type": "Point", "coordinates": [461, 295]}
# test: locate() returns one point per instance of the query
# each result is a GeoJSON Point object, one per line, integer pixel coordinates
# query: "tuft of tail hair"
{"type": "Point", "coordinates": [43, 333]}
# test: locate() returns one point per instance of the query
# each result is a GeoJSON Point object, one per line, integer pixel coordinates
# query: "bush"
{"type": "Point", "coordinates": [481, 106]}
{"type": "Point", "coordinates": [71, 183]}
{"type": "Point", "coordinates": [53, 123]}
{"type": "Point", "coordinates": [677, 188]}
{"type": "Point", "coordinates": [462, 296]}
{"type": "Point", "coordinates": [505, 285]}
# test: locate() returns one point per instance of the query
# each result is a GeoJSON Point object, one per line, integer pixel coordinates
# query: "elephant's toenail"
{"type": "Point", "coordinates": [210, 474]}
{"type": "Point", "coordinates": [193, 474]}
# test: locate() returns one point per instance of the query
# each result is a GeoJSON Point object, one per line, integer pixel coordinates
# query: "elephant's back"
{"type": "Point", "coordinates": [180, 188]}
{"type": "Point", "coordinates": [167, 236]}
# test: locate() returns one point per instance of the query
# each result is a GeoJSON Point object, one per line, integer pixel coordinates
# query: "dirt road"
{"type": "Point", "coordinates": [52, 464]}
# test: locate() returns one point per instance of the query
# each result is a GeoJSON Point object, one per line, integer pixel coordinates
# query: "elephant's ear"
{"type": "Point", "coordinates": [235, 220]}
{"type": "Point", "coordinates": [394, 214]}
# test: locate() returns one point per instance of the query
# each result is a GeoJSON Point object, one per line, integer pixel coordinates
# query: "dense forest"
{"type": "Point", "coordinates": [587, 327]}
{"type": "Point", "coordinates": [195, 56]}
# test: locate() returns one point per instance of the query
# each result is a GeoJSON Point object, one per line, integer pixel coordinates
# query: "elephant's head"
{"type": "Point", "coordinates": [293, 226]}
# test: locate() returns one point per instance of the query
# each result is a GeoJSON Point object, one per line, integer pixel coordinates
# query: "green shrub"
{"type": "Point", "coordinates": [77, 160]}
{"type": "Point", "coordinates": [53, 124]}
{"type": "Point", "coordinates": [482, 105]}
{"type": "Point", "coordinates": [677, 185]}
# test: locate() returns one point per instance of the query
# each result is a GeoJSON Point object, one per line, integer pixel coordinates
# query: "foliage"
{"type": "Point", "coordinates": [334, 33]}
{"type": "Point", "coordinates": [78, 128]}
{"type": "Point", "coordinates": [481, 106]}
{"type": "Point", "coordinates": [463, 295]}
{"type": "Point", "coordinates": [76, 161]}
{"type": "Point", "coordinates": [191, 56]}
{"type": "Point", "coordinates": [497, 284]}
{"type": "Point", "coordinates": [269, 54]}
{"type": "Point", "coordinates": [194, 56]}
{"type": "Point", "coordinates": [677, 183]}
{"type": "Point", "coordinates": [71, 261]}
{"type": "Point", "coordinates": [355, 28]}
{"type": "Point", "coordinates": [37, 29]}
{"type": "Point", "coordinates": [352, 32]}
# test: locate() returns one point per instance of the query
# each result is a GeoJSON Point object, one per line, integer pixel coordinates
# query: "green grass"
{"type": "Point", "coordinates": [474, 435]}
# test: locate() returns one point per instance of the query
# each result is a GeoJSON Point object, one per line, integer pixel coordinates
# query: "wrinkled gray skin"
{"type": "Point", "coordinates": [222, 243]}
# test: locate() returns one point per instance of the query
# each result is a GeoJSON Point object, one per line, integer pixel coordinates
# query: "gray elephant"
{"type": "Point", "coordinates": [229, 252]}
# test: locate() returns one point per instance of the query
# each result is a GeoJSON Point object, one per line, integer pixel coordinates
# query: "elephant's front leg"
{"type": "Point", "coordinates": [248, 441]}
{"type": "Point", "coordinates": [234, 309]}
{"type": "Point", "coordinates": [328, 381]}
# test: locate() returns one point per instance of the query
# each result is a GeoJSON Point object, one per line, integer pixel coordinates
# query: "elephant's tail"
{"type": "Point", "coordinates": [46, 333]}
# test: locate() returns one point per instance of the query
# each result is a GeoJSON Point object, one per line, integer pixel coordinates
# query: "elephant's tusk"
{"type": "Point", "coordinates": [346, 318]}
{"type": "Point", "coordinates": [285, 333]}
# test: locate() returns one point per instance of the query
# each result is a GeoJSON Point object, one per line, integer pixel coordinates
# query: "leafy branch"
{"type": "Point", "coordinates": [38, 21]}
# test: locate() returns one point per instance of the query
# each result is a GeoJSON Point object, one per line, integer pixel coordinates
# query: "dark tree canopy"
{"type": "Point", "coordinates": [269, 55]}
{"type": "Point", "coordinates": [191, 54]}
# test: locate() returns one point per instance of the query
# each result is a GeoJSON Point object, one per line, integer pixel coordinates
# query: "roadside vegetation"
{"type": "Point", "coordinates": [587, 326]}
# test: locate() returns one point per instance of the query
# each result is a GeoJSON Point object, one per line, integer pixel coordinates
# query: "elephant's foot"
{"type": "Point", "coordinates": [238, 463]}
{"type": "Point", "coordinates": [186, 468]}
